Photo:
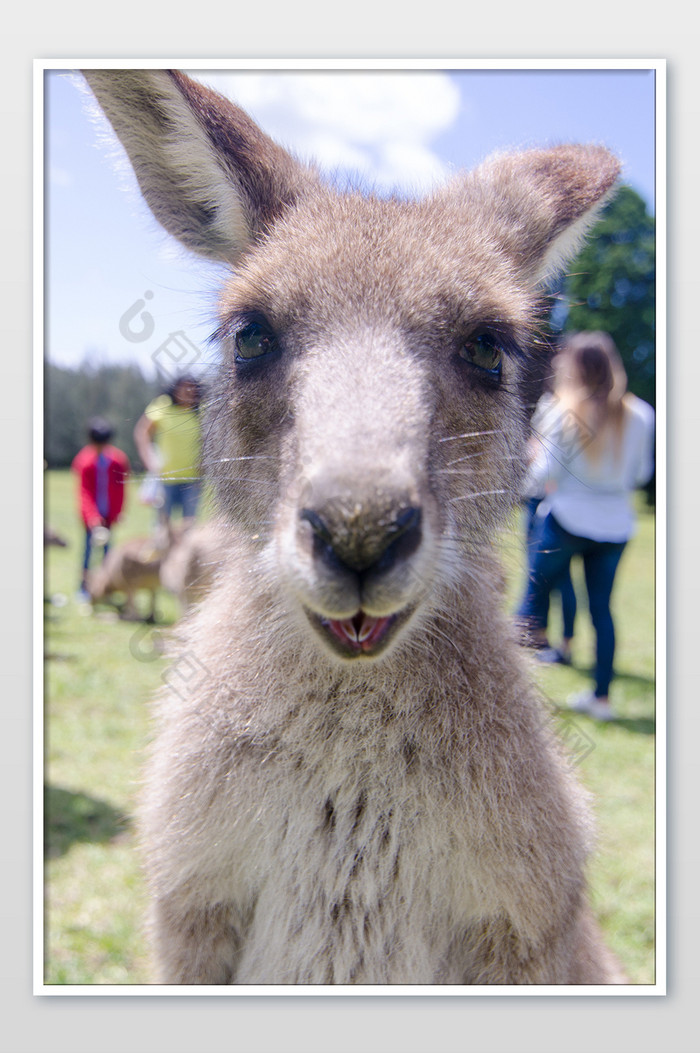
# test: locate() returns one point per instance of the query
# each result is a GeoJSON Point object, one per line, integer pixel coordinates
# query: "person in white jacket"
{"type": "Point", "coordinates": [595, 447]}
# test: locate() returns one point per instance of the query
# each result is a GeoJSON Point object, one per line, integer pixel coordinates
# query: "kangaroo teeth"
{"type": "Point", "coordinates": [368, 624]}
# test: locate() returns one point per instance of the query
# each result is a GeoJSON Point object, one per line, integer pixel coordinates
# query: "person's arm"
{"type": "Point", "coordinates": [644, 466]}
{"type": "Point", "coordinates": [543, 454]}
{"type": "Point", "coordinates": [144, 433]}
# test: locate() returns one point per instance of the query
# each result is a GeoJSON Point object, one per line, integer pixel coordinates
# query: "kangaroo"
{"type": "Point", "coordinates": [360, 785]}
{"type": "Point", "coordinates": [133, 565]}
{"type": "Point", "coordinates": [189, 567]}
{"type": "Point", "coordinates": [181, 558]}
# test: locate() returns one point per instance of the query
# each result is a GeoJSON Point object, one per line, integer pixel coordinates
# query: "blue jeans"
{"type": "Point", "coordinates": [564, 585]}
{"type": "Point", "coordinates": [185, 494]}
{"type": "Point", "coordinates": [600, 561]}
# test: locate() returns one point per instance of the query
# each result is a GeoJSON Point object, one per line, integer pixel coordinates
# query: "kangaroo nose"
{"type": "Point", "coordinates": [360, 540]}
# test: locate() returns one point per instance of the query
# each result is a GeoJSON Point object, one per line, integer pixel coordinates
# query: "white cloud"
{"type": "Point", "coordinates": [376, 124]}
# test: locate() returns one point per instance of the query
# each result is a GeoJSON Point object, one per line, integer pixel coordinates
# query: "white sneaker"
{"type": "Point", "coordinates": [601, 710]}
{"type": "Point", "coordinates": [593, 707]}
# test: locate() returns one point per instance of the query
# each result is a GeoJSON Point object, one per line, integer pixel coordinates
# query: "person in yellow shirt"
{"type": "Point", "coordinates": [168, 439]}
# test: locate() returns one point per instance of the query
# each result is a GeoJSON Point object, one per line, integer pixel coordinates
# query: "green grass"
{"type": "Point", "coordinates": [101, 672]}
{"type": "Point", "coordinates": [96, 725]}
{"type": "Point", "coordinates": [616, 760]}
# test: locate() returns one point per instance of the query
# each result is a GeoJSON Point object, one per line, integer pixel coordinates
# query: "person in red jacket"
{"type": "Point", "coordinates": [102, 471]}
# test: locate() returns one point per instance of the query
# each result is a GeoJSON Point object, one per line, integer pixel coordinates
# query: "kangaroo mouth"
{"type": "Point", "coordinates": [363, 635]}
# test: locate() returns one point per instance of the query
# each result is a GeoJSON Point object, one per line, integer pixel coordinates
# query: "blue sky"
{"type": "Point", "coordinates": [104, 252]}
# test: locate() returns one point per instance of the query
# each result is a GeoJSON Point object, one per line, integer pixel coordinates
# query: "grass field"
{"type": "Point", "coordinates": [101, 672]}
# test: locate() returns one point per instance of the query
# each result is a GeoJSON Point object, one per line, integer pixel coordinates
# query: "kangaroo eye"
{"type": "Point", "coordinates": [254, 340]}
{"type": "Point", "coordinates": [483, 352]}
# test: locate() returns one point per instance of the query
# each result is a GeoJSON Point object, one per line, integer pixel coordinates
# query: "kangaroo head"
{"type": "Point", "coordinates": [370, 412]}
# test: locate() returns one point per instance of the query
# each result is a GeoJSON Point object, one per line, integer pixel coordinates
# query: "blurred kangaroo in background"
{"type": "Point", "coordinates": [133, 565]}
{"type": "Point", "coordinates": [361, 787]}
{"type": "Point", "coordinates": [189, 566]}
{"type": "Point", "coordinates": [181, 557]}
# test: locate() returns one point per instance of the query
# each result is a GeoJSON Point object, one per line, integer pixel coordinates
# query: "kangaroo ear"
{"type": "Point", "coordinates": [208, 173]}
{"type": "Point", "coordinates": [543, 202]}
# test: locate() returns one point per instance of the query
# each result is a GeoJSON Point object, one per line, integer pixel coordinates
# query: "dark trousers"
{"type": "Point", "coordinates": [87, 552]}
{"type": "Point", "coordinates": [555, 549]}
{"type": "Point", "coordinates": [564, 585]}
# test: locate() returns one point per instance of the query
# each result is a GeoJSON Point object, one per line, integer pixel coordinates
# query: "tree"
{"type": "Point", "coordinates": [612, 286]}
{"type": "Point", "coordinates": [119, 393]}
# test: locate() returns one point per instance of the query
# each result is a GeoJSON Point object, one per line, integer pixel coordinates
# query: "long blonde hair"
{"type": "Point", "coordinates": [591, 382]}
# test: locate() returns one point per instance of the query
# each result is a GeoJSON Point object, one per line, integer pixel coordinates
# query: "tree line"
{"type": "Point", "coordinates": [72, 395]}
{"type": "Point", "coordinates": [612, 286]}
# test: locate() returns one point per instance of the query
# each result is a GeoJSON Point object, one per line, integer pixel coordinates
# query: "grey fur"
{"type": "Point", "coordinates": [318, 810]}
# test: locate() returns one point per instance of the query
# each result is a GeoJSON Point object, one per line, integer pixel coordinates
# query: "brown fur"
{"type": "Point", "coordinates": [133, 565]}
{"type": "Point", "coordinates": [180, 557]}
{"type": "Point", "coordinates": [189, 566]}
{"type": "Point", "coordinates": [320, 810]}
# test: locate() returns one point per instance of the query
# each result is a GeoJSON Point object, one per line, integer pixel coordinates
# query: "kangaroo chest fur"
{"type": "Point", "coordinates": [344, 865]}
{"type": "Point", "coordinates": [350, 865]}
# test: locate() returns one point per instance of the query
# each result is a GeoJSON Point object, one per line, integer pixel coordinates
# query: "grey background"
{"type": "Point", "coordinates": [106, 1024]}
